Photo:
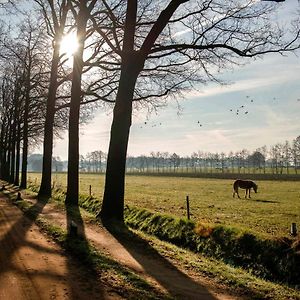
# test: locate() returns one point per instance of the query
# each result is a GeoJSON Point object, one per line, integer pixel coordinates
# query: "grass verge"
{"type": "Point", "coordinates": [118, 278]}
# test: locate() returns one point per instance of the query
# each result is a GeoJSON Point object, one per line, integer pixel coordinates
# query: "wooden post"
{"type": "Point", "coordinates": [90, 190]}
{"type": "Point", "coordinates": [293, 229]}
{"type": "Point", "coordinates": [19, 196]}
{"type": "Point", "coordinates": [188, 207]}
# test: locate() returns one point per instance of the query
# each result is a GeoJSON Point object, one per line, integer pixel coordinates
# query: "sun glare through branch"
{"type": "Point", "coordinates": [69, 44]}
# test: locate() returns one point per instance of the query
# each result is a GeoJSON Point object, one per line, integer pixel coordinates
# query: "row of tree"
{"type": "Point", "coordinates": [130, 54]}
{"type": "Point", "coordinates": [277, 159]}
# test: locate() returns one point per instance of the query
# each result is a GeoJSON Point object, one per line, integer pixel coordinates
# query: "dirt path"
{"type": "Point", "coordinates": [135, 254]}
{"type": "Point", "coordinates": [33, 267]}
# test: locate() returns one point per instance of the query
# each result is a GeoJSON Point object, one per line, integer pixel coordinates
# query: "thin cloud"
{"type": "Point", "coordinates": [241, 85]}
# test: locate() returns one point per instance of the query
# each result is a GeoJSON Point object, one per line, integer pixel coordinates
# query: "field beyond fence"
{"type": "Point", "coordinates": [270, 212]}
{"type": "Point", "coordinates": [219, 175]}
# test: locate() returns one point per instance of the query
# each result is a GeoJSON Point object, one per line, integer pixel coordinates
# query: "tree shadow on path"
{"type": "Point", "coordinates": [79, 281]}
{"type": "Point", "coordinates": [178, 284]}
{"type": "Point", "coordinates": [78, 246]}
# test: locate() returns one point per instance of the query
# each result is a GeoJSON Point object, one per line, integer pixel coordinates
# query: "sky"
{"type": "Point", "coordinates": [266, 92]}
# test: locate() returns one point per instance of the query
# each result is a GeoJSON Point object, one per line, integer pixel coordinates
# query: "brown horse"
{"type": "Point", "coordinates": [244, 184]}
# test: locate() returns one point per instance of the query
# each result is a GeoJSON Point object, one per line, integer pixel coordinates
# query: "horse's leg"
{"type": "Point", "coordinates": [246, 193]}
{"type": "Point", "coordinates": [249, 193]}
{"type": "Point", "coordinates": [234, 191]}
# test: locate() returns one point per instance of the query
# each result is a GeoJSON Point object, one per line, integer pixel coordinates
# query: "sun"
{"type": "Point", "coordinates": [69, 44]}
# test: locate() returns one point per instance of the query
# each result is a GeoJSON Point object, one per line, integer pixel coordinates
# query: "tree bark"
{"type": "Point", "coordinates": [2, 151]}
{"type": "Point", "coordinates": [76, 96]}
{"type": "Point", "coordinates": [25, 140]}
{"type": "Point", "coordinates": [45, 188]}
{"type": "Point", "coordinates": [9, 151]}
{"type": "Point", "coordinates": [13, 152]}
{"type": "Point", "coordinates": [17, 177]}
{"type": "Point", "coordinates": [113, 198]}
{"type": "Point", "coordinates": [14, 137]}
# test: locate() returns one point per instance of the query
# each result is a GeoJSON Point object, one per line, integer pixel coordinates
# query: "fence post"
{"type": "Point", "coordinates": [90, 190]}
{"type": "Point", "coordinates": [188, 207]}
{"type": "Point", "coordinates": [293, 229]}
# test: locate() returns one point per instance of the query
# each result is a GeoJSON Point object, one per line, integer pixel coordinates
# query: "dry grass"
{"type": "Point", "coordinates": [270, 212]}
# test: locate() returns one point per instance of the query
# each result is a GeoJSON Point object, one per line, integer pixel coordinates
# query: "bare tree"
{"type": "Point", "coordinates": [81, 16]}
{"type": "Point", "coordinates": [23, 52]}
{"type": "Point", "coordinates": [287, 156]}
{"type": "Point", "coordinates": [169, 46]}
{"type": "Point", "coordinates": [55, 15]}
{"type": "Point", "coordinates": [6, 103]}
{"type": "Point", "coordinates": [296, 153]}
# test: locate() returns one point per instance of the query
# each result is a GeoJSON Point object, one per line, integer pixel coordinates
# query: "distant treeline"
{"type": "Point", "coordinates": [278, 160]}
{"type": "Point", "coordinates": [282, 158]}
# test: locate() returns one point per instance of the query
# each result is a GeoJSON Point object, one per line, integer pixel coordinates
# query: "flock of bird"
{"type": "Point", "coordinates": [243, 109]}
{"type": "Point", "coordinates": [152, 125]}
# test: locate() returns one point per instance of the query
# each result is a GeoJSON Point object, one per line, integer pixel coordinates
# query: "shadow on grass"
{"type": "Point", "coordinates": [178, 284]}
{"type": "Point", "coordinates": [265, 201]}
{"type": "Point", "coordinates": [77, 245]}
{"type": "Point", "coordinates": [126, 283]}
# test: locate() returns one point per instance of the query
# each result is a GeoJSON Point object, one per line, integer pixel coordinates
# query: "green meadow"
{"type": "Point", "coordinates": [270, 212]}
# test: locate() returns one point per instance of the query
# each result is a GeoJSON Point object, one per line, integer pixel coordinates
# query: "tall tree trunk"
{"type": "Point", "coordinates": [2, 162]}
{"type": "Point", "coordinates": [18, 151]}
{"type": "Point", "coordinates": [76, 96]}
{"type": "Point", "coordinates": [5, 154]}
{"type": "Point", "coordinates": [9, 152]}
{"type": "Point", "coordinates": [113, 198]}
{"type": "Point", "coordinates": [45, 188]}
{"type": "Point", "coordinates": [13, 154]}
{"type": "Point", "coordinates": [14, 139]}
{"type": "Point", "coordinates": [25, 134]}
{"type": "Point", "coordinates": [24, 156]}
{"type": "Point", "coordinates": [2, 151]}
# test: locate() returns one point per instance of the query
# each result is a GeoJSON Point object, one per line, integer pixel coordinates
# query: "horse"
{"type": "Point", "coordinates": [244, 184]}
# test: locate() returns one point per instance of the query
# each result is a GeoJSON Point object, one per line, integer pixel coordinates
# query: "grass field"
{"type": "Point", "coordinates": [270, 212]}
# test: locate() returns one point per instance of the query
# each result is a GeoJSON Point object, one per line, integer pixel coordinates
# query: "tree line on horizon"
{"type": "Point", "coordinates": [130, 55]}
{"type": "Point", "coordinates": [281, 158]}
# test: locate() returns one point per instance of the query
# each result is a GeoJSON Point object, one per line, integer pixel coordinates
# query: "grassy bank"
{"type": "Point", "coordinates": [276, 259]}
